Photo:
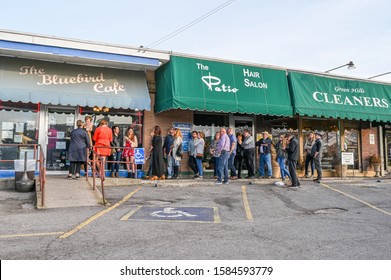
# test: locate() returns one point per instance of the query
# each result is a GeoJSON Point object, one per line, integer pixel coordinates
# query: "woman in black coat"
{"type": "Point", "coordinates": [157, 155]}
{"type": "Point", "coordinates": [80, 141]}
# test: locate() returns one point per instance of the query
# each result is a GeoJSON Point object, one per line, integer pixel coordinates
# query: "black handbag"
{"type": "Point", "coordinates": [179, 151]}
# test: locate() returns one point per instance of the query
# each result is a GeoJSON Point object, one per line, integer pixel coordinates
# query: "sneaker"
{"type": "Point", "coordinates": [293, 188]}
{"type": "Point", "coordinates": [199, 177]}
{"type": "Point", "coordinates": [169, 177]}
{"type": "Point", "coordinates": [269, 177]}
{"type": "Point", "coordinates": [196, 176]}
{"type": "Point", "coordinates": [218, 183]}
{"type": "Point", "coordinates": [226, 183]}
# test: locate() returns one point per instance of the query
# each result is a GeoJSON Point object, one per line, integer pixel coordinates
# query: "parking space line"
{"type": "Point", "coordinates": [131, 213]}
{"type": "Point", "coordinates": [216, 215]}
{"type": "Point", "coordinates": [357, 199]}
{"type": "Point", "coordinates": [96, 216]}
{"type": "Point", "coordinates": [249, 215]}
{"type": "Point", "coordinates": [31, 234]}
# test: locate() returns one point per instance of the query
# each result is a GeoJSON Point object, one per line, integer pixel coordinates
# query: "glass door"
{"type": "Point", "coordinates": [242, 124]}
{"type": "Point", "coordinates": [61, 121]}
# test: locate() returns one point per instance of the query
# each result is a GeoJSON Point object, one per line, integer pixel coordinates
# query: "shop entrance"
{"type": "Point", "coordinates": [388, 149]}
{"type": "Point", "coordinates": [242, 123]}
{"type": "Point", "coordinates": [60, 123]}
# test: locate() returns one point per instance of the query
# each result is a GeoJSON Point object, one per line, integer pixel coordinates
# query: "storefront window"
{"type": "Point", "coordinates": [330, 139]}
{"type": "Point", "coordinates": [209, 124]}
{"type": "Point", "coordinates": [351, 144]}
{"type": "Point", "coordinates": [61, 123]}
{"type": "Point", "coordinates": [19, 125]}
{"type": "Point", "coordinates": [280, 126]}
{"type": "Point", "coordinates": [124, 118]}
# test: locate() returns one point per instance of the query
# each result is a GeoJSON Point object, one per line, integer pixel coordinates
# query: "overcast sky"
{"type": "Point", "coordinates": [314, 35]}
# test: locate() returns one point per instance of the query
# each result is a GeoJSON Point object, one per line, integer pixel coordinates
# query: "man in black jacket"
{"type": "Point", "coordinates": [293, 156]}
{"type": "Point", "coordinates": [316, 153]}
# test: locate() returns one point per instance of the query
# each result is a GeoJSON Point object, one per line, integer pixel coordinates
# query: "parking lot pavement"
{"type": "Point", "coordinates": [338, 219]}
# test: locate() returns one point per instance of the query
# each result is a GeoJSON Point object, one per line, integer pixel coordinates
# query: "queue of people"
{"type": "Point", "coordinates": [107, 143]}
{"type": "Point", "coordinates": [228, 153]}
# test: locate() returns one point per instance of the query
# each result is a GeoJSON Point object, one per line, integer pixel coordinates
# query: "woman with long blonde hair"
{"type": "Point", "coordinates": [281, 156]}
{"type": "Point", "coordinates": [177, 151]}
{"type": "Point", "coordinates": [130, 143]}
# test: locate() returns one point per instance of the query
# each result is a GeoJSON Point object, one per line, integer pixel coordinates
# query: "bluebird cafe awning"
{"type": "Point", "coordinates": [67, 84]}
{"type": "Point", "coordinates": [321, 96]}
{"type": "Point", "coordinates": [204, 85]}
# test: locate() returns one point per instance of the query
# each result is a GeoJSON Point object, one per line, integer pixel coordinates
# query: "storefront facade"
{"type": "Point", "coordinates": [207, 95]}
{"type": "Point", "coordinates": [42, 98]}
{"type": "Point", "coordinates": [46, 86]}
{"type": "Point", "coordinates": [351, 114]}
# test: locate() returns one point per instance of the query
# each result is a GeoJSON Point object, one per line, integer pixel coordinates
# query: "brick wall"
{"type": "Point", "coordinates": [164, 120]}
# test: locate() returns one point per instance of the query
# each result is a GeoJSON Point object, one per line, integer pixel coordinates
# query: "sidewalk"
{"type": "Point", "coordinates": [61, 192]}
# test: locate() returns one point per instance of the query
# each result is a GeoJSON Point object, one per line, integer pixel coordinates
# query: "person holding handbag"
{"type": "Point", "coordinates": [177, 152]}
{"type": "Point", "coordinates": [199, 144]}
{"type": "Point", "coordinates": [309, 159]}
{"type": "Point", "coordinates": [192, 153]}
{"type": "Point", "coordinates": [215, 154]}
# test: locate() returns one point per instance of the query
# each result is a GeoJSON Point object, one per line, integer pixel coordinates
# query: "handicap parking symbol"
{"type": "Point", "coordinates": [139, 156]}
{"type": "Point", "coordinates": [178, 214]}
{"type": "Point", "coordinates": [170, 212]}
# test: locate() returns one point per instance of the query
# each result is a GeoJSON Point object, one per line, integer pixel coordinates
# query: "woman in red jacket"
{"type": "Point", "coordinates": [102, 137]}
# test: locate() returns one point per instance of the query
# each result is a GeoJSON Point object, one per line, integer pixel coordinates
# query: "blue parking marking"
{"type": "Point", "coordinates": [179, 214]}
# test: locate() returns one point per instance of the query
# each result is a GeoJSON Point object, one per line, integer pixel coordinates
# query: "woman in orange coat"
{"type": "Point", "coordinates": [102, 137]}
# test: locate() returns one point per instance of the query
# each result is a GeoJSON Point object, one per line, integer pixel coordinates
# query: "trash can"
{"type": "Point", "coordinates": [24, 174]}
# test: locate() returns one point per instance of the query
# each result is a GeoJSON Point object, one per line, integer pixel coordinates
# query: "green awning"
{"type": "Point", "coordinates": [204, 85]}
{"type": "Point", "coordinates": [315, 95]}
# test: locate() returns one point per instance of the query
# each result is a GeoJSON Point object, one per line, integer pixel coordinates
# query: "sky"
{"type": "Point", "coordinates": [302, 34]}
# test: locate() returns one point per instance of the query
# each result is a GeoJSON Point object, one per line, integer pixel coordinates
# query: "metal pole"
{"type": "Point", "coordinates": [340, 143]}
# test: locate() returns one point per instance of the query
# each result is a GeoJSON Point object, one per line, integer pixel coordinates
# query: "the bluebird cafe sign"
{"type": "Point", "coordinates": [67, 84]}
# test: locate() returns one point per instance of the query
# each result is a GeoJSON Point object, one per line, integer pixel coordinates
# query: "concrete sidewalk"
{"type": "Point", "coordinates": [61, 192]}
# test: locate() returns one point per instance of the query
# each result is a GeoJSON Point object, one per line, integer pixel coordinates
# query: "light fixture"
{"type": "Point", "coordinates": [350, 66]}
{"type": "Point", "coordinates": [100, 109]}
{"type": "Point", "coordinates": [379, 75]}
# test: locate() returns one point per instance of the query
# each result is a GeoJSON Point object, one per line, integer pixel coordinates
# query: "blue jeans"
{"type": "Point", "coordinates": [199, 166]}
{"type": "Point", "coordinates": [284, 171]}
{"type": "Point", "coordinates": [215, 165]}
{"type": "Point", "coordinates": [265, 158]}
{"type": "Point", "coordinates": [231, 165]}
{"type": "Point", "coordinates": [309, 160]}
{"type": "Point", "coordinates": [223, 167]}
{"type": "Point", "coordinates": [170, 163]}
{"type": "Point", "coordinates": [116, 158]}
